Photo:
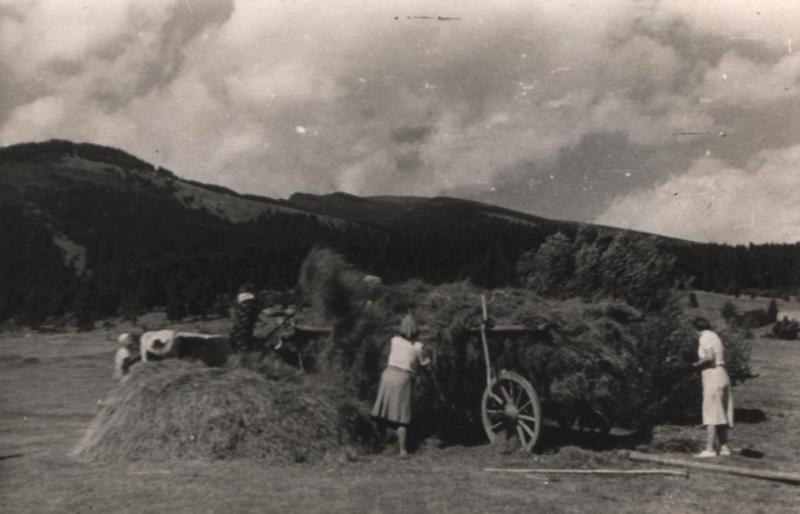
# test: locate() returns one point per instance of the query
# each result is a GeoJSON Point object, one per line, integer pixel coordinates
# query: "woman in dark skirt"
{"type": "Point", "coordinates": [393, 404]}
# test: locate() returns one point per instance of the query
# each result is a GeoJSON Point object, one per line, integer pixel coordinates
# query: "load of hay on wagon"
{"type": "Point", "coordinates": [596, 365]}
{"type": "Point", "coordinates": [601, 363]}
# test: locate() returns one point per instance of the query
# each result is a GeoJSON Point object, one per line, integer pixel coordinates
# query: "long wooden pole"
{"type": "Point", "coordinates": [484, 320]}
{"type": "Point", "coordinates": [777, 476]}
{"type": "Point", "coordinates": [673, 472]}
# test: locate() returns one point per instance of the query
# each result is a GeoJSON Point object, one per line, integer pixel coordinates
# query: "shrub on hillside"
{"type": "Point", "coordinates": [785, 329]}
{"type": "Point", "coordinates": [753, 318]}
{"type": "Point", "coordinates": [772, 311]}
{"type": "Point", "coordinates": [738, 346]}
{"type": "Point", "coordinates": [729, 312]}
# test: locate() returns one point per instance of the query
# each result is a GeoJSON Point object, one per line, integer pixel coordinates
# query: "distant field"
{"type": "Point", "coordinates": [50, 385]}
{"type": "Point", "coordinates": [711, 305]}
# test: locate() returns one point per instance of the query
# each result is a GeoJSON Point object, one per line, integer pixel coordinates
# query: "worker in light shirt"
{"type": "Point", "coordinates": [717, 397]}
{"type": "Point", "coordinates": [393, 404]}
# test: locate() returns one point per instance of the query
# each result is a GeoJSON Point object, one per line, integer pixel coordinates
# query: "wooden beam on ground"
{"type": "Point", "coordinates": [765, 474]}
{"type": "Point", "coordinates": [562, 471]}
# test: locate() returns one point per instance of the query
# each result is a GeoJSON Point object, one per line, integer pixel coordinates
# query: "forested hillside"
{"type": "Point", "coordinates": [94, 232]}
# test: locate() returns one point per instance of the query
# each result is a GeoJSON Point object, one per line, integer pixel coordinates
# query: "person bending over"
{"type": "Point", "coordinates": [393, 403]}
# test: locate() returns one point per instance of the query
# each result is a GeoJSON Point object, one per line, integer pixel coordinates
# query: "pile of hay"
{"type": "Point", "coordinates": [176, 409]}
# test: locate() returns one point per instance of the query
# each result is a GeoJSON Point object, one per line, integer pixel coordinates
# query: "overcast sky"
{"type": "Point", "coordinates": [677, 117]}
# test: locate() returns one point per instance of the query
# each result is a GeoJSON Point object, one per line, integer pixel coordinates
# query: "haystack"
{"type": "Point", "coordinates": [185, 410]}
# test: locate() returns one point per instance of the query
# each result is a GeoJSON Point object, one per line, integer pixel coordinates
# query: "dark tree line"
{"type": "Point", "coordinates": [771, 269]}
{"type": "Point", "coordinates": [145, 250]}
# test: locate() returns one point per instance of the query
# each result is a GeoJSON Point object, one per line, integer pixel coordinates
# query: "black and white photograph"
{"type": "Point", "coordinates": [389, 256]}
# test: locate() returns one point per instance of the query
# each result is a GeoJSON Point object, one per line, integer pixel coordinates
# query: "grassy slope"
{"type": "Point", "coordinates": [46, 404]}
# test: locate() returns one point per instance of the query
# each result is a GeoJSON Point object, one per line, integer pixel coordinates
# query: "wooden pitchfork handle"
{"type": "Point", "coordinates": [487, 361]}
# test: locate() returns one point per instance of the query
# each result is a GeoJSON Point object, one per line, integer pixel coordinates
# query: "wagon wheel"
{"type": "Point", "coordinates": [511, 405]}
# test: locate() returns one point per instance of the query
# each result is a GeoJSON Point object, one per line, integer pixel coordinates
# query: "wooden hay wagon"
{"type": "Point", "coordinates": [510, 406]}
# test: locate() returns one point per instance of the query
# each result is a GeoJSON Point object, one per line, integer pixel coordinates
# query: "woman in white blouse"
{"type": "Point", "coordinates": [717, 398]}
{"type": "Point", "coordinates": [393, 404]}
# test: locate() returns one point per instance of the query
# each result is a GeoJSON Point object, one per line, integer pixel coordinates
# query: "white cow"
{"type": "Point", "coordinates": [162, 344]}
{"type": "Point", "coordinates": [157, 344]}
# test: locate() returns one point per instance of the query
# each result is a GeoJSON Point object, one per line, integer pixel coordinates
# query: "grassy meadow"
{"type": "Point", "coordinates": [51, 385]}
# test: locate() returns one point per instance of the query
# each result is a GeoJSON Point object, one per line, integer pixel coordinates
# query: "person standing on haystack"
{"type": "Point", "coordinates": [717, 397]}
{"type": "Point", "coordinates": [246, 311]}
{"type": "Point", "coordinates": [393, 404]}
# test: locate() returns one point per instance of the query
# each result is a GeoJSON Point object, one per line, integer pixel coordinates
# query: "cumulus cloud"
{"type": "Point", "coordinates": [274, 97]}
{"type": "Point", "coordinates": [714, 202]}
{"type": "Point", "coordinates": [739, 81]}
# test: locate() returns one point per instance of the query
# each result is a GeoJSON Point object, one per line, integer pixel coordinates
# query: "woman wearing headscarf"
{"type": "Point", "coordinates": [717, 398]}
{"type": "Point", "coordinates": [393, 404]}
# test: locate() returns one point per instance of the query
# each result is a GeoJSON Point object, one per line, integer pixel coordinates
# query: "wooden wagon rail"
{"type": "Point", "coordinates": [495, 329]}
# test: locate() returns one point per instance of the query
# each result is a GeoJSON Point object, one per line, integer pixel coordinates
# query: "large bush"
{"type": "Point", "coordinates": [596, 265]}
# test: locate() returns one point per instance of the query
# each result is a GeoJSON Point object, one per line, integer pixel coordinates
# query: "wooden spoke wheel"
{"type": "Point", "coordinates": [510, 408]}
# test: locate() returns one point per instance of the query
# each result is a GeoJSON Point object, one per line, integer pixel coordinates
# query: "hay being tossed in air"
{"type": "Point", "coordinates": [175, 409]}
{"type": "Point", "coordinates": [331, 285]}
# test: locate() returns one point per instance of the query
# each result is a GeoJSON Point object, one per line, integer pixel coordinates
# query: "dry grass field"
{"type": "Point", "coordinates": [50, 386]}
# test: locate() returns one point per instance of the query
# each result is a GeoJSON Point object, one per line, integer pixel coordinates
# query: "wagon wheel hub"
{"type": "Point", "coordinates": [511, 411]}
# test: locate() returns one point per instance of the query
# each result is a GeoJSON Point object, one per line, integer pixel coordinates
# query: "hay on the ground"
{"type": "Point", "coordinates": [176, 409]}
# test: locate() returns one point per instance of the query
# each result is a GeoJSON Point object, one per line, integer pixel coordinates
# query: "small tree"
{"type": "Point", "coordinates": [729, 312]}
{"type": "Point", "coordinates": [786, 329]}
{"type": "Point", "coordinates": [772, 311]}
